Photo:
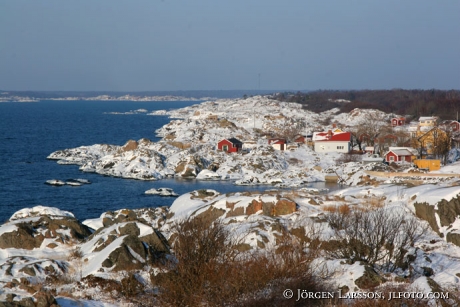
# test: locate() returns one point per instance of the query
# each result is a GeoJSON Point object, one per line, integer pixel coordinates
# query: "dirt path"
{"type": "Point", "coordinates": [396, 174]}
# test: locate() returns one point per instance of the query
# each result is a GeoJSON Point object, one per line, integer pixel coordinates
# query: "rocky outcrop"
{"type": "Point", "coordinates": [447, 212]}
{"type": "Point", "coordinates": [154, 217]}
{"type": "Point", "coordinates": [132, 254]}
{"type": "Point", "coordinates": [453, 237]}
{"type": "Point", "coordinates": [30, 233]}
{"type": "Point", "coordinates": [281, 206]}
{"type": "Point", "coordinates": [129, 146]}
{"type": "Point", "coordinates": [39, 299]}
{"type": "Point", "coordinates": [131, 245]}
{"type": "Point", "coordinates": [427, 212]}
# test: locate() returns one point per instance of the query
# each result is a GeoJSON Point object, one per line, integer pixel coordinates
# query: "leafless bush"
{"type": "Point", "coordinates": [348, 157]}
{"type": "Point", "coordinates": [380, 236]}
{"type": "Point", "coordinates": [76, 256]}
{"type": "Point", "coordinates": [209, 270]}
{"type": "Point", "coordinates": [130, 285]}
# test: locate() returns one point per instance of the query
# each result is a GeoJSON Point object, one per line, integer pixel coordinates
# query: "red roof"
{"type": "Point", "coordinates": [276, 141]}
{"type": "Point", "coordinates": [340, 137]}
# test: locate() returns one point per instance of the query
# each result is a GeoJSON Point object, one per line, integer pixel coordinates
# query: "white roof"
{"type": "Point", "coordinates": [428, 118]}
{"type": "Point", "coordinates": [401, 152]}
{"type": "Point", "coordinates": [412, 150]}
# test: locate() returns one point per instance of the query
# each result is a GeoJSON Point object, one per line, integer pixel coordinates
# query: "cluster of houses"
{"type": "Point", "coordinates": [328, 141]}
{"type": "Point", "coordinates": [423, 139]}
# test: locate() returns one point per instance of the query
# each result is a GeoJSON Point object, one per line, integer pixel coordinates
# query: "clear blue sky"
{"type": "Point", "coordinates": [221, 45]}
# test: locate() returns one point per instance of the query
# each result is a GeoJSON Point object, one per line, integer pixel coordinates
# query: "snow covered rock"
{"type": "Point", "coordinates": [161, 192]}
{"type": "Point", "coordinates": [231, 204]}
{"type": "Point", "coordinates": [150, 216]}
{"type": "Point", "coordinates": [55, 182]}
{"type": "Point", "coordinates": [40, 211]}
{"type": "Point", "coordinates": [41, 231]}
{"type": "Point", "coordinates": [122, 246]}
{"type": "Point", "coordinates": [209, 175]}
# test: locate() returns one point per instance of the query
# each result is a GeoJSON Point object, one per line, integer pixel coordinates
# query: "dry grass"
{"type": "Point", "coordinates": [342, 209]}
{"type": "Point", "coordinates": [374, 203]}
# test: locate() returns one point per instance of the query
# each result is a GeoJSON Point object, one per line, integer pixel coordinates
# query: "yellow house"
{"type": "Point", "coordinates": [432, 142]}
{"type": "Point", "coordinates": [426, 121]}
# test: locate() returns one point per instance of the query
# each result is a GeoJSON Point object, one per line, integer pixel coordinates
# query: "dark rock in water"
{"type": "Point", "coordinates": [162, 192]}
{"type": "Point", "coordinates": [84, 181]}
{"type": "Point", "coordinates": [55, 182]}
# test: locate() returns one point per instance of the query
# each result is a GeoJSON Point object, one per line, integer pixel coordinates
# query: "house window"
{"type": "Point", "coordinates": [225, 148]}
{"type": "Point", "coordinates": [339, 147]}
{"type": "Point", "coordinates": [392, 158]}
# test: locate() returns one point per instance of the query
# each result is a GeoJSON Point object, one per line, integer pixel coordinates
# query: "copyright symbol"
{"type": "Point", "coordinates": [288, 293]}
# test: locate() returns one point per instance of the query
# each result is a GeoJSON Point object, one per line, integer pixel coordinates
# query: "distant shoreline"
{"type": "Point", "coordinates": [106, 98]}
{"type": "Point", "coordinates": [203, 95]}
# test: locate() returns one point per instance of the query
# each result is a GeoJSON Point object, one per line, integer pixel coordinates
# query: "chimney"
{"type": "Point", "coordinates": [329, 134]}
{"type": "Point", "coordinates": [334, 126]}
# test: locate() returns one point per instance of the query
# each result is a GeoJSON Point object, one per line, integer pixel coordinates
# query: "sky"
{"type": "Point", "coordinates": [155, 45]}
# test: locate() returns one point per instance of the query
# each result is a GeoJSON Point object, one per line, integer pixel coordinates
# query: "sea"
{"type": "Point", "coordinates": [29, 132]}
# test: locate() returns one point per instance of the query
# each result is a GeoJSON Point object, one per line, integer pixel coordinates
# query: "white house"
{"type": "Point", "coordinates": [278, 144]}
{"type": "Point", "coordinates": [329, 141]}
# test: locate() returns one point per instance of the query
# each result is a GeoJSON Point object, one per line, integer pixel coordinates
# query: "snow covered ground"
{"type": "Point", "coordinates": [189, 143]}
{"type": "Point", "coordinates": [89, 257]}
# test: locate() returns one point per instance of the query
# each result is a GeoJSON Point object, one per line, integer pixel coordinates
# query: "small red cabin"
{"type": "Point", "coordinates": [398, 121]}
{"type": "Point", "coordinates": [399, 155]}
{"type": "Point", "coordinates": [455, 126]}
{"type": "Point", "coordinates": [230, 145]}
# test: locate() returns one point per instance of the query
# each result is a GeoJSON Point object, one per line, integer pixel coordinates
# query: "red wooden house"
{"type": "Point", "coordinates": [230, 145]}
{"type": "Point", "coordinates": [398, 121]}
{"type": "Point", "coordinates": [399, 155]}
{"type": "Point", "coordinates": [455, 125]}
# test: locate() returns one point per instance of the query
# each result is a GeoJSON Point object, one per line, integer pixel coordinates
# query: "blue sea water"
{"type": "Point", "coordinates": [29, 132]}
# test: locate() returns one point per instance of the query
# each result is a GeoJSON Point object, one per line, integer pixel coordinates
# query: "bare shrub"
{"type": "Point", "coordinates": [380, 236]}
{"type": "Point", "coordinates": [76, 256]}
{"type": "Point", "coordinates": [209, 270]}
{"type": "Point", "coordinates": [75, 253]}
{"type": "Point", "coordinates": [130, 286]}
{"type": "Point", "coordinates": [348, 157]}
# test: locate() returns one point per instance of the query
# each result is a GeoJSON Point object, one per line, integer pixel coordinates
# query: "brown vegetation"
{"type": "Point", "coordinates": [209, 270]}
{"type": "Point", "coordinates": [374, 236]}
